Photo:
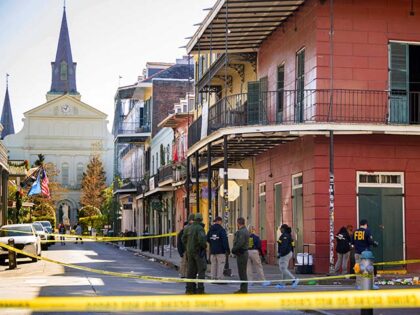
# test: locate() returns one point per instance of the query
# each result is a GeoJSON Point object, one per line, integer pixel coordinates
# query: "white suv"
{"type": "Point", "coordinates": [25, 239]}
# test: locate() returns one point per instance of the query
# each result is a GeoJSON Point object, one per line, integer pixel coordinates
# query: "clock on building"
{"type": "Point", "coordinates": [65, 108]}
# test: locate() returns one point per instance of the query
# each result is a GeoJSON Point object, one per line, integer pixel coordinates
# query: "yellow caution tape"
{"type": "Point", "coordinates": [407, 298]}
{"type": "Point", "coordinates": [164, 279]}
{"type": "Point", "coordinates": [398, 262]}
{"type": "Point", "coordinates": [99, 238]}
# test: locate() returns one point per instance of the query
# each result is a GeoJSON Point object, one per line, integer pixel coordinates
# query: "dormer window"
{"type": "Point", "coordinates": [63, 71]}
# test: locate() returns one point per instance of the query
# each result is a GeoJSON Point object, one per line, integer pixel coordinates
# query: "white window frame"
{"type": "Point", "coordinates": [259, 189]}
{"type": "Point", "coordinates": [293, 181]}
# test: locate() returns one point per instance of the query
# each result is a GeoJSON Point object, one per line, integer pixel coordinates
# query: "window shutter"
{"type": "Point", "coordinates": [253, 102]}
{"type": "Point", "coordinates": [398, 83]}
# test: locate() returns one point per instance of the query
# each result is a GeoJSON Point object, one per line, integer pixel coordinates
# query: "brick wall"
{"type": "Point", "coordinates": [310, 155]}
{"type": "Point", "coordinates": [165, 94]}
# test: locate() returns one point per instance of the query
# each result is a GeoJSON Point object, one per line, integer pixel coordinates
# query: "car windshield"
{"type": "Point", "coordinates": [25, 230]}
{"type": "Point", "coordinates": [38, 227]}
{"type": "Point", "coordinates": [46, 224]}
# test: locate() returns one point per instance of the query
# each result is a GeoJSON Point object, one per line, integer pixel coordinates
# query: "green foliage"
{"type": "Point", "coordinates": [44, 212]}
{"type": "Point", "coordinates": [93, 183]}
{"type": "Point", "coordinates": [89, 211]}
{"type": "Point", "coordinates": [97, 222]}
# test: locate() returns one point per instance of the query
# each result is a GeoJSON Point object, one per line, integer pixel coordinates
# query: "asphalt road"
{"type": "Point", "coordinates": [47, 279]}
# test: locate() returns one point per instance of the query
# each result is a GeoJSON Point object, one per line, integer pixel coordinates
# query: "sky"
{"type": "Point", "coordinates": [109, 38]}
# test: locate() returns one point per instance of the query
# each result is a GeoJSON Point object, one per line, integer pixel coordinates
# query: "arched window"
{"type": "Point", "coordinates": [79, 174]}
{"type": "Point", "coordinates": [63, 70]}
{"type": "Point", "coordinates": [65, 174]}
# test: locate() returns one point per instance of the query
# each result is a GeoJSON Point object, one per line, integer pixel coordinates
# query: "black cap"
{"type": "Point", "coordinates": [217, 219]}
{"type": "Point", "coordinates": [284, 226]}
{"type": "Point", "coordinates": [363, 222]}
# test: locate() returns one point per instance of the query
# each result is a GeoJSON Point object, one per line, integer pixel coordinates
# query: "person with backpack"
{"type": "Point", "coordinates": [254, 261]}
{"type": "Point", "coordinates": [219, 247]}
{"type": "Point", "coordinates": [343, 248]}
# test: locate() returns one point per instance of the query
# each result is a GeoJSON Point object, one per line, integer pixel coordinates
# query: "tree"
{"type": "Point", "coordinates": [109, 205]}
{"type": "Point", "coordinates": [90, 215]}
{"type": "Point", "coordinates": [93, 183]}
{"type": "Point", "coordinates": [44, 212]}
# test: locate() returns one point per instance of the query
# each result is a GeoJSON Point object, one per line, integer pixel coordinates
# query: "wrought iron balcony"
{"type": "Point", "coordinates": [309, 106]}
{"type": "Point", "coordinates": [132, 128]}
{"type": "Point", "coordinates": [166, 173]}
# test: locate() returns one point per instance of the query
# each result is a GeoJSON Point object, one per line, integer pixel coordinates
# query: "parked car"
{"type": "Point", "coordinates": [47, 225]}
{"type": "Point", "coordinates": [25, 239]}
{"type": "Point", "coordinates": [42, 233]}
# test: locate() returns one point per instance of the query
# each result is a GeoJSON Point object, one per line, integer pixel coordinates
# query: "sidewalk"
{"type": "Point", "coordinates": [171, 258]}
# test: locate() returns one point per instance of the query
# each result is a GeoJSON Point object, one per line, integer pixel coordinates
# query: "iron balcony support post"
{"type": "Point", "coordinates": [225, 181]}
{"type": "Point", "coordinates": [187, 182]}
{"type": "Point", "coordinates": [197, 182]}
{"type": "Point", "coordinates": [209, 182]}
{"type": "Point", "coordinates": [331, 208]}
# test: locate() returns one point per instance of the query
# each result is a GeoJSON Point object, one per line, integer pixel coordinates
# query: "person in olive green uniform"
{"type": "Point", "coordinates": [194, 237]}
{"type": "Point", "coordinates": [240, 249]}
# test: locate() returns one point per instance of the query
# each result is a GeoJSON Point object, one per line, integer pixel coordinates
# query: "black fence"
{"type": "Point", "coordinates": [166, 172]}
{"type": "Point", "coordinates": [310, 106]}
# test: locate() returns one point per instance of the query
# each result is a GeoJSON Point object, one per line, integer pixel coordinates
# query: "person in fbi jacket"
{"type": "Point", "coordinates": [362, 240]}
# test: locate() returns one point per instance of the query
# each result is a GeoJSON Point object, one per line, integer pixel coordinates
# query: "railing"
{"type": "Point", "coordinates": [132, 127]}
{"type": "Point", "coordinates": [166, 172]}
{"type": "Point", "coordinates": [310, 106]}
{"type": "Point", "coordinates": [194, 132]}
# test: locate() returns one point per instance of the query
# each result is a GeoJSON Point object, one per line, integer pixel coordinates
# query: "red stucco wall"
{"type": "Point", "coordinates": [310, 156]}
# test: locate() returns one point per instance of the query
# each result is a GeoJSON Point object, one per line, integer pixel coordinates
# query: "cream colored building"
{"type": "Point", "coordinates": [65, 130]}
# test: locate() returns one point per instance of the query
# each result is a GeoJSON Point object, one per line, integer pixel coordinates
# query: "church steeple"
{"type": "Point", "coordinates": [6, 114]}
{"type": "Point", "coordinates": [63, 68]}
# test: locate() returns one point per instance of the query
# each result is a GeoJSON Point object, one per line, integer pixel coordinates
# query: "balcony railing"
{"type": "Point", "coordinates": [132, 128]}
{"type": "Point", "coordinates": [166, 172]}
{"type": "Point", "coordinates": [310, 106]}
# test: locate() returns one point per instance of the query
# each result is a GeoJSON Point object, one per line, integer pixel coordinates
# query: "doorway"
{"type": "Point", "coordinates": [381, 202]}
{"type": "Point", "coordinates": [278, 213]}
{"type": "Point", "coordinates": [262, 211]}
{"type": "Point", "coordinates": [297, 198]}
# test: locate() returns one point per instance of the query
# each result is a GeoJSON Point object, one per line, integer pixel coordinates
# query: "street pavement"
{"type": "Point", "coordinates": [42, 278]}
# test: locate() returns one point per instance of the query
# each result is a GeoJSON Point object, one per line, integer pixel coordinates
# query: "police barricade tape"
{"type": "Point", "coordinates": [398, 262]}
{"type": "Point", "coordinates": [166, 279]}
{"type": "Point", "coordinates": [106, 238]}
{"type": "Point", "coordinates": [95, 238]}
{"type": "Point", "coordinates": [332, 300]}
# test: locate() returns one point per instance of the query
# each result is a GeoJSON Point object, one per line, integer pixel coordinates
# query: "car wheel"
{"type": "Point", "coordinates": [2, 260]}
{"type": "Point", "coordinates": [34, 259]}
{"type": "Point", "coordinates": [44, 246]}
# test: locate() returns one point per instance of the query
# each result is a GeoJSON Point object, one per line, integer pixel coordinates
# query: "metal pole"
{"type": "Point", "coordinates": [187, 181]}
{"type": "Point", "coordinates": [209, 181]}
{"type": "Point", "coordinates": [12, 254]}
{"type": "Point", "coordinates": [225, 181]}
{"type": "Point", "coordinates": [330, 115]}
{"type": "Point", "coordinates": [331, 210]}
{"type": "Point", "coordinates": [197, 182]}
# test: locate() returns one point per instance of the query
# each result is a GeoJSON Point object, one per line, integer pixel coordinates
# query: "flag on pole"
{"type": "Point", "coordinates": [45, 190]}
{"type": "Point", "coordinates": [36, 186]}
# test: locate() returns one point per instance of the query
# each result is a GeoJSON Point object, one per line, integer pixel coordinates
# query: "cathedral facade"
{"type": "Point", "coordinates": [65, 130]}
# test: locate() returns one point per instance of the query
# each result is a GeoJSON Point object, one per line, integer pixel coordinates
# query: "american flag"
{"type": "Point", "coordinates": [45, 190]}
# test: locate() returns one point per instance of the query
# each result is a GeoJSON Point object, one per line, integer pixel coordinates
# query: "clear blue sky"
{"type": "Point", "coordinates": [108, 37]}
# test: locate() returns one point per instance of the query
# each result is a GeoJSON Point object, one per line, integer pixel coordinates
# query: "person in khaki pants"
{"type": "Point", "coordinates": [254, 260]}
{"type": "Point", "coordinates": [219, 247]}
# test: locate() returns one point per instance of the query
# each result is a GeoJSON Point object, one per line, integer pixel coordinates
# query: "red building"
{"type": "Point", "coordinates": [351, 70]}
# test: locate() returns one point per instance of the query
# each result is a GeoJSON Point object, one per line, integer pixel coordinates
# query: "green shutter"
{"type": "Point", "coordinates": [398, 83]}
{"type": "Point", "coordinates": [253, 103]}
{"type": "Point", "coordinates": [280, 94]}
